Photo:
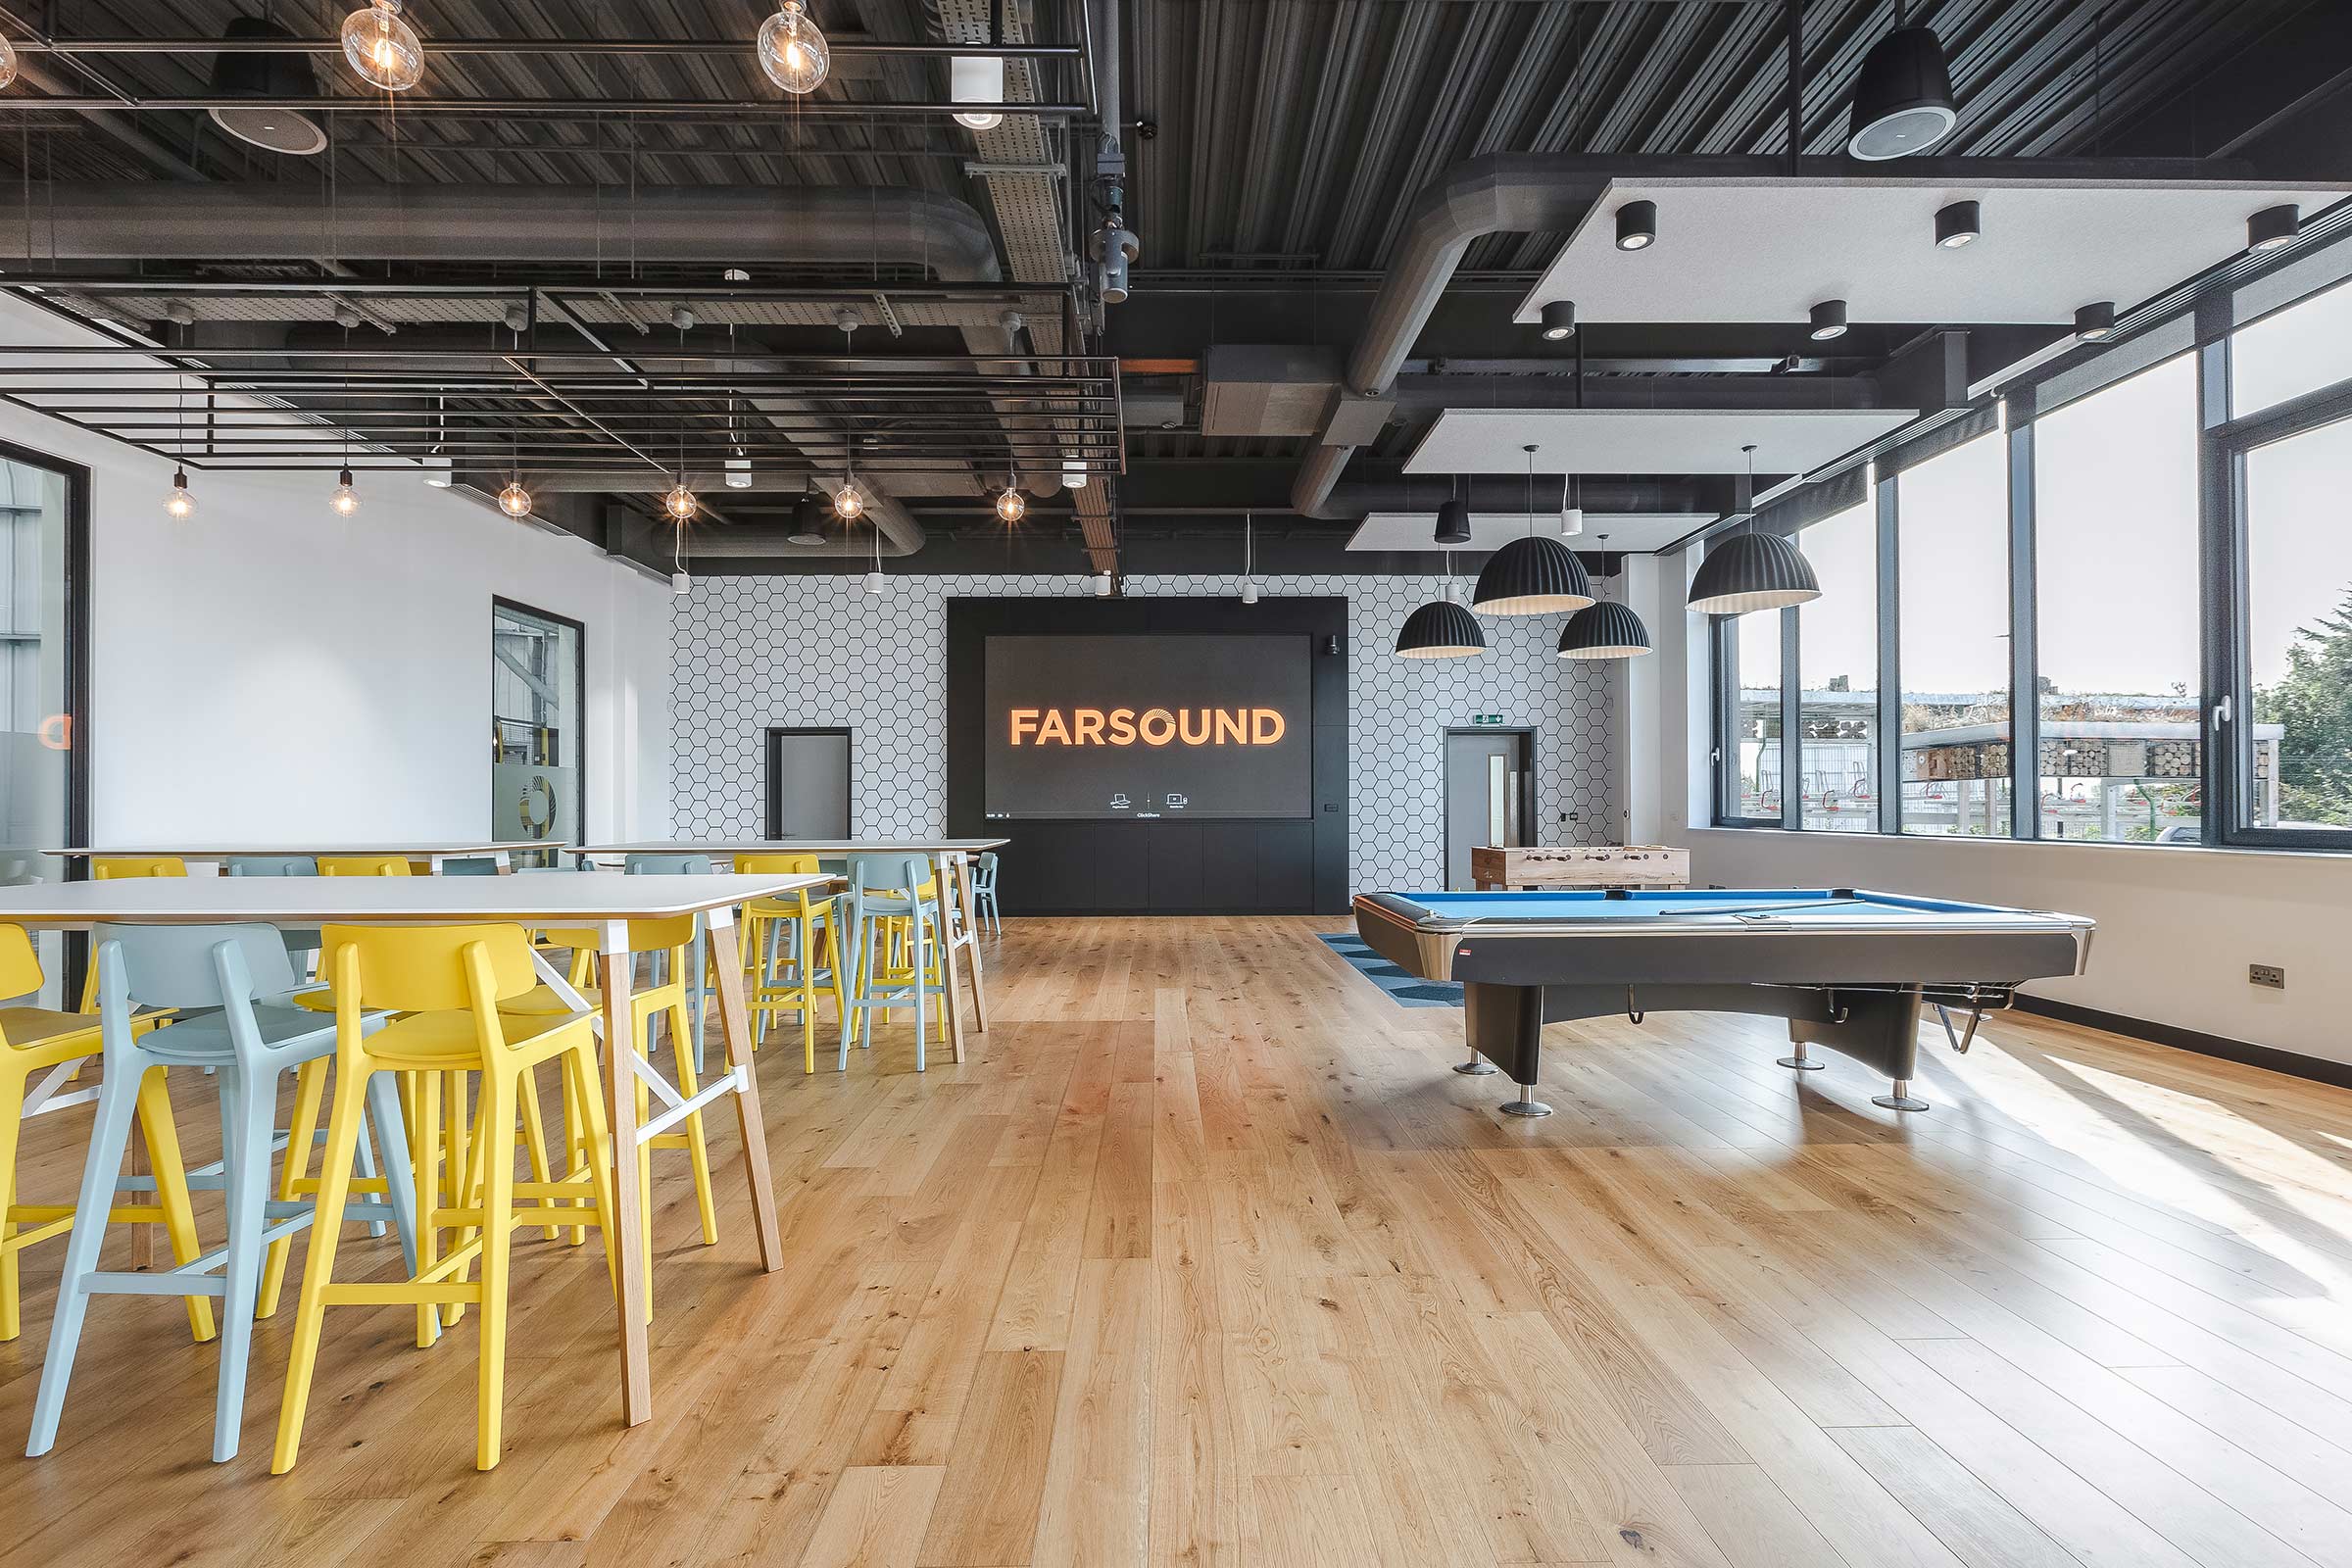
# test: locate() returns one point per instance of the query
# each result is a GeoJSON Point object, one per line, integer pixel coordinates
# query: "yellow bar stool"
{"type": "Point", "coordinates": [449, 980]}
{"type": "Point", "coordinates": [670, 940]}
{"type": "Point", "coordinates": [783, 941]}
{"type": "Point", "coordinates": [365, 865]}
{"type": "Point", "coordinates": [41, 1043]}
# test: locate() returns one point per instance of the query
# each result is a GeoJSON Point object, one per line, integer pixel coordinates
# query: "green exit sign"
{"type": "Point", "coordinates": [1486, 719]}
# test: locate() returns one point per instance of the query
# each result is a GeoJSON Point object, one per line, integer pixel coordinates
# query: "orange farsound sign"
{"type": "Point", "coordinates": [1153, 726]}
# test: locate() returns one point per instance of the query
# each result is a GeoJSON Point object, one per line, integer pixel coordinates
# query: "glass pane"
{"type": "Point", "coordinates": [1953, 565]}
{"type": "Point", "coordinates": [2115, 517]}
{"type": "Point", "coordinates": [2300, 349]}
{"type": "Point", "coordinates": [38, 729]}
{"type": "Point", "coordinates": [535, 726]}
{"type": "Point", "coordinates": [1756, 716]}
{"type": "Point", "coordinates": [2299, 631]}
{"type": "Point", "coordinates": [1837, 651]}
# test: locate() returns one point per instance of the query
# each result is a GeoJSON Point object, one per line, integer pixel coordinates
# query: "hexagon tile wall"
{"type": "Point", "coordinates": [796, 651]}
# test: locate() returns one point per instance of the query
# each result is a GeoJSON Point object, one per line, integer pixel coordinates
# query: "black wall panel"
{"type": "Point", "coordinates": [1170, 868]}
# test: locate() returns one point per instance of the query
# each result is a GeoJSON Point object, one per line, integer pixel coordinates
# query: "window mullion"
{"type": "Point", "coordinates": [1889, 782]}
{"type": "Point", "coordinates": [2220, 778]}
{"type": "Point", "coordinates": [1792, 750]}
{"type": "Point", "coordinates": [2025, 659]}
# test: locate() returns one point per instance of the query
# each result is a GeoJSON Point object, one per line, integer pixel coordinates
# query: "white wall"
{"type": "Point", "coordinates": [268, 670]}
{"type": "Point", "coordinates": [2178, 924]}
{"type": "Point", "coordinates": [753, 651]}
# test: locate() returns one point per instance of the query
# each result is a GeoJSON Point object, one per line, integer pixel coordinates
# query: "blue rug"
{"type": "Point", "coordinates": [1403, 989]}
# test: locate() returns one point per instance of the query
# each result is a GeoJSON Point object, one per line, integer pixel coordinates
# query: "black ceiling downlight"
{"type": "Point", "coordinates": [1453, 522]}
{"type": "Point", "coordinates": [275, 75]}
{"type": "Point", "coordinates": [2095, 321]}
{"type": "Point", "coordinates": [1637, 226]}
{"type": "Point", "coordinates": [808, 516]}
{"type": "Point", "coordinates": [1559, 320]}
{"type": "Point", "coordinates": [1440, 629]}
{"type": "Point", "coordinates": [1604, 630]}
{"type": "Point", "coordinates": [1537, 576]}
{"type": "Point", "coordinates": [2272, 227]}
{"type": "Point", "coordinates": [1827, 321]}
{"type": "Point", "coordinates": [1752, 571]}
{"type": "Point", "coordinates": [1958, 223]}
{"type": "Point", "coordinates": [1903, 98]}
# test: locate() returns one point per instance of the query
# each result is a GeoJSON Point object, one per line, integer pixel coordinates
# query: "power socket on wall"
{"type": "Point", "coordinates": [2267, 974]}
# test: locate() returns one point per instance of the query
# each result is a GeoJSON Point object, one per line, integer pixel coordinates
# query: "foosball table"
{"type": "Point", "coordinates": [1497, 869]}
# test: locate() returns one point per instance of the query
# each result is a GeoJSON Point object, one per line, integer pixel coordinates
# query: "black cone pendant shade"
{"type": "Point", "coordinates": [1751, 571]}
{"type": "Point", "coordinates": [1604, 630]}
{"type": "Point", "coordinates": [1533, 576]}
{"type": "Point", "coordinates": [1440, 629]}
{"type": "Point", "coordinates": [1454, 523]}
{"type": "Point", "coordinates": [1903, 98]}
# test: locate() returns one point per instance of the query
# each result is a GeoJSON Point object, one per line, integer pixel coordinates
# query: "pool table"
{"type": "Point", "coordinates": [1848, 969]}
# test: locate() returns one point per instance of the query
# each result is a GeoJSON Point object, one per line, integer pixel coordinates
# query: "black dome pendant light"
{"type": "Point", "coordinates": [1533, 575]}
{"type": "Point", "coordinates": [265, 74]}
{"type": "Point", "coordinates": [1440, 629]}
{"type": "Point", "coordinates": [1604, 630]}
{"type": "Point", "coordinates": [1751, 571]}
{"type": "Point", "coordinates": [1903, 99]}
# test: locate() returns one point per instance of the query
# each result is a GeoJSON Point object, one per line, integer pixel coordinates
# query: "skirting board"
{"type": "Point", "coordinates": [2293, 1064]}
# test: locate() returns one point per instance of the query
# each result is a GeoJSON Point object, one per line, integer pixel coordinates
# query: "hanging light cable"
{"type": "Point", "coordinates": [1248, 557]}
{"type": "Point", "coordinates": [179, 504]}
{"type": "Point", "coordinates": [515, 500]}
{"type": "Point", "coordinates": [346, 499]}
{"type": "Point", "coordinates": [849, 502]}
{"type": "Point", "coordinates": [382, 48]}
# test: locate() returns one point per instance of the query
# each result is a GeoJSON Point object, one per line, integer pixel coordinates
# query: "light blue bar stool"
{"type": "Point", "coordinates": [698, 988]}
{"type": "Point", "coordinates": [883, 886]}
{"type": "Point", "coordinates": [251, 1034]}
{"type": "Point", "coordinates": [984, 892]}
{"type": "Point", "coordinates": [469, 865]}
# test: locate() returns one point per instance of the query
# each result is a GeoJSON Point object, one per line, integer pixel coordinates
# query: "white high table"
{"type": "Point", "coordinates": [434, 852]}
{"type": "Point", "coordinates": [605, 901]}
{"type": "Point", "coordinates": [948, 858]}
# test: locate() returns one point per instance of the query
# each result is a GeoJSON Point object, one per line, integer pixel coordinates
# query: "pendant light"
{"type": "Point", "coordinates": [345, 500]}
{"type": "Point", "coordinates": [1441, 628]}
{"type": "Point", "coordinates": [874, 578]}
{"type": "Point", "coordinates": [977, 80]}
{"type": "Point", "coordinates": [792, 51]}
{"type": "Point", "coordinates": [1453, 517]}
{"type": "Point", "coordinates": [680, 502]}
{"type": "Point", "coordinates": [1010, 506]}
{"type": "Point", "coordinates": [8, 62]}
{"type": "Point", "coordinates": [515, 500]}
{"type": "Point", "coordinates": [1604, 630]}
{"type": "Point", "coordinates": [1559, 320]}
{"type": "Point", "coordinates": [382, 48]}
{"type": "Point", "coordinates": [807, 520]}
{"type": "Point", "coordinates": [270, 74]}
{"type": "Point", "coordinates": [1751, 571]}
{"type": "Point", "coordinates": [1533, 575]}
{"type": "Point", "coordinates": [1903, 99]}
{"type": "Point", "coordinates": [179, 505]}
{"type": "Point", "coordinates": [1248, 557]}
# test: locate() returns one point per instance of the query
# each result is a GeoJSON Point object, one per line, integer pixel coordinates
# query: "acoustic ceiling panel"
{"type": "Point", "coordinates": [1647, 440]}
{"type": "Point", "coordinates": [1639, 532]}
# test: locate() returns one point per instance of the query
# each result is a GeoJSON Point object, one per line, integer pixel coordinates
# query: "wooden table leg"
{"type": "Point", "coordinates": [971, 930]}
{"type": "Point", "coordinates": [616, 970]}
{"type": "Point", "coordinates": [735, 1024]}
{"type": "Point", "coordinates": [943, 867]}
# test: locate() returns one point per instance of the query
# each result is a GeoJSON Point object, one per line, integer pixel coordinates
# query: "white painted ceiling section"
{"type": "Point", "coordinates": [1750, 250]}
{"type": "Point", "coordinates": [1639, 532]}
{"type": "Point", "coordinates": [1489, 441]}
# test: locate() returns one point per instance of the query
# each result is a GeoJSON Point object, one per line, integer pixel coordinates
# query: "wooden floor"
{"type": "Point", "coordinates": [1204, 1258]}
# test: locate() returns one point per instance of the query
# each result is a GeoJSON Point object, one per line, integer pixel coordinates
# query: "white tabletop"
{"type": "Point", "coordinates": [550, 899]}
{"type": "Point", "coordinates": [415, 851]}
{"type": "Point", "coordinates": [719, 846]}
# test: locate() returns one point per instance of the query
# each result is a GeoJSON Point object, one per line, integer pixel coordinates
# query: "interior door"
{"type": "Point", "coordinates": [1488, 796]}
{"type": "Point", "coordinates": [808, 783]}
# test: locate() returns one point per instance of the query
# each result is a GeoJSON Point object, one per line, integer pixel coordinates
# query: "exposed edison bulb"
{"type": "Point", "coordinates": [179, 503]}
{"type": "Point", "coordinates": [679, 503]}
{"type": "Point", "coordinates": [1010, 508]}
{"type": "Point", "coordinates": [515, 500]}
{"type": "Point", "coordinates": [382, 48]}
{"type": "Point", "coordinates": [345, 500]}
{"type": "Point", "coordinates": [8, 62]}
{"type": "Point", "coordinates": [792, 51]}
{"type": "Point", "coordinates": [849, 502]}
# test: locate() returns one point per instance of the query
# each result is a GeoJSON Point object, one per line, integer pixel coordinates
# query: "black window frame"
{"type": "Point", "coordinates": [579, 676]}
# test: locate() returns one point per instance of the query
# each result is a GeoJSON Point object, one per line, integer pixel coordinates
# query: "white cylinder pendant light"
{"type": "Point", "coordinates": [977, 80]}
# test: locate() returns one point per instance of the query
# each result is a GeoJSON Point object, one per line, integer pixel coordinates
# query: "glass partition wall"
{"type": "Point", "coordinates": [536, 700]}
{"type": "Point", "coordinates": [2108, 607]}
{"type": "Point", "coordinates": [43, 622]}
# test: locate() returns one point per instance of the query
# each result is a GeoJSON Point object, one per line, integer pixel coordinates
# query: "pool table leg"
{"type": "Point", "coordinates": [1902, 1099]}
{"type": "Point", "coordinates": [1505, 1026]}
{"type": "Point", "coordinates": [1476, 1066]}
{"type": "Point", "coordinates": [1797, 1059]}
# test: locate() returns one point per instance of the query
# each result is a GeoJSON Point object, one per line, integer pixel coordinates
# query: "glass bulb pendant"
{"type": "Point", "coordinates": [382, 48]}
{"type": "Point", "coordinates": [1010, 506]}
{"type": "Point", "coordinates": [345, 500]}
{"type": "Point", "coordinates": [515, 500]}
{"type": "Point", "coordinates": [8, 62]}
{"type": "Point", "coordinates": [179, 503]}
{"type": "Point", "coordinates": [792, 51]}
{"type": "Point", "coordinates": [679, 503]}
{"type": "Point", "coordinates": [849, 502]}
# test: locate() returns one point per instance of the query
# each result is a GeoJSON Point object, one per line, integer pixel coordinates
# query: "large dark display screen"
{"type": "Point", "coordinates": [1149, 725]}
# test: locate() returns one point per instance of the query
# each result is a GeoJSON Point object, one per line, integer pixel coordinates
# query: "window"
{"type": "Point", "coordinates": [1755, 786]}
{"type": "Point", "coordinates": [535, 707]}
{"type": "Point", "coordinates": [2116, 566]}
{"type": "Point", "coordinates": [2296, 755]}
{"type": "Point", "coordinates": [1837, 656]}
{"type": "Point", "coordinates": [1953, 562]}
{"type": "Point", "coordinates": [2299, 349]}
{"type": "Point", "coordinates": [44, 615]}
